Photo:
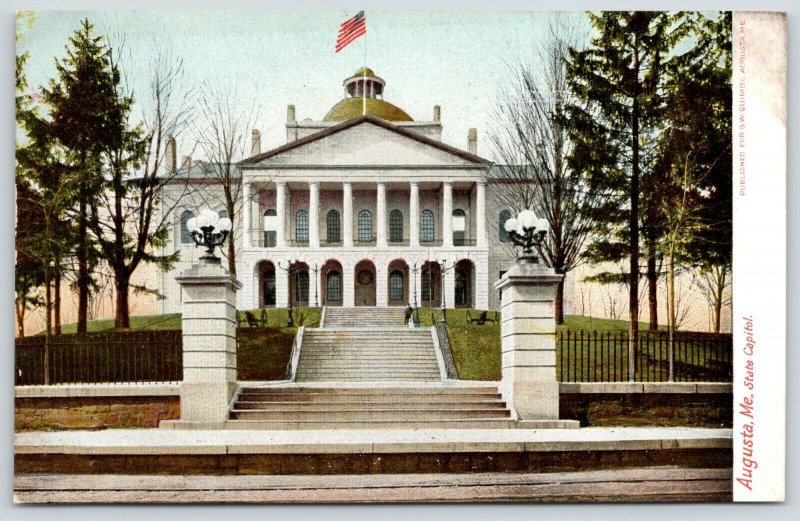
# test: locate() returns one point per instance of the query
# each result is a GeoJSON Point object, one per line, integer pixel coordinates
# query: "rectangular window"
{"type": "Point", "coordinates": [270, 239]}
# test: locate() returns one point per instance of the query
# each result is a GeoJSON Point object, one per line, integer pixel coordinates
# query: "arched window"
{"type": "Point", "coordinates": [395, 226]}
{"type": "Point", "coordinates": [186, 236]}
{"type": "Point", "coordinates": [270, 228]}
{"type": "Point", "coordinates": [459, 227]}
{"type": "Point", "coordinates": [504, 216]}
{"type": "Point", "coordinates": [334, 227]}
{"type": "Point", "coordinates": [301, 287]}
{"type": "Point", "coordinates": [334, 286]}
{"type": "Point", "coordinates": [301, 227]}
{"type": "Point", "coordinates": [426, 230]}
{"type": "Point", "coordinates": [364, 226]}
{"type": "Point", "coordinates": [396, 286]}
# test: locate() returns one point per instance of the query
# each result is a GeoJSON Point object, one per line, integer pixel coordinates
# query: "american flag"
{"type": "Point", "coordinates": [350, 30]}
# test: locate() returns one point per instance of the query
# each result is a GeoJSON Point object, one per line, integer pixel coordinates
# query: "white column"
{"type": "Point", "coordinates": [281, 285]}
{"type": "Point", "coordinates": [247, 208]}
{"type": "Point", "coordinates": [447, 214]}
{"type": "Point", "coordinates": [313, 214]}
{"type": "Point", "coordinates": [280, 209]}
{"type": "Point", "coordinates": [347, 210]}
{"type": "Point", "coordinates": [480, 214]}
{"type": "Point", "coordinates": [382, 215]}
{"type": "Point", "coordinates": [413, 215]}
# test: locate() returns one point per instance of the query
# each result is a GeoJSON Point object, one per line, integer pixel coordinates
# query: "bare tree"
{"type": "Point", "coordinates": [129, 221]}
{"type": "Point", "coordinates": [531, 142]}
{"type": "Point", "coordinates": [612, 307]}
{"type": "Point", "coordinates": [714, 284]}
{"type": "Point", "coordinates": [222, 137]}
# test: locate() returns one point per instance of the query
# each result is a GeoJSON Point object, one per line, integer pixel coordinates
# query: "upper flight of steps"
{"type": "Point", "coordinates": [364, 317]}
{"type": "Point", "coordinates": [367, 355]}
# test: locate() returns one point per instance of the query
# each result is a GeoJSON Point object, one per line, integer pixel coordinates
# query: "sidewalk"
{"type": "Point", "coordinates": [163, 441]}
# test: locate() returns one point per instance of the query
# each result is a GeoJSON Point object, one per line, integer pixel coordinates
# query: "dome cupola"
{"type": "Point", "coordinates": [365, 90]}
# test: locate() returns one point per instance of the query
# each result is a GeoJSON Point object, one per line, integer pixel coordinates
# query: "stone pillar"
{"type": "Point", "coordinates": [381, 215]}
{"type": "Point", "coordinates": [480, 214]}
{"type": "Point", "coordinates": [348, 285]}
{"type": "Point", "coordinates": [449, 285]}
{"type": "Point", "coordinates": [313, 214]}
{"type": "Point", "coordinates": [208, 321]}
{"type": "Point", "coordinates": [281, 287]}
{"type": "Point", "coordinates": [447, 214]}
{"type": "Point", "coordinates": [413, 215]}
{"type": "Point", "coordinates": [347, 217]}
{"type": "Point", "coordinates": [529, 381]}
{"type": "Point", "coordinates": [280, 209]}
{"type": "Point", "coordinates": [247, 209]}
{"type": "Point", "coordinates": [381, 284]}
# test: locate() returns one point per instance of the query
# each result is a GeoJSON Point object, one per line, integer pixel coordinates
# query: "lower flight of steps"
{"type": "Point", "coordinates": [364, 317]}
{"type": "Point", "coordinates": [409, 407]}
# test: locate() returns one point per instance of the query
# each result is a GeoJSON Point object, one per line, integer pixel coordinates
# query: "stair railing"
{"type": "Point", "coordinates": [447, 366]}
{"type": "Point", "coordinates": [294, 359]}
{"type": "Point", "coordinates": [322, 317]}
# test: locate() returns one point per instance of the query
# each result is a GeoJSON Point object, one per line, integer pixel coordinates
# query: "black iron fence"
{"type": "Point", "coordinates": [123, 357]}
{"type": "Point", "coordinates": [603, 356]}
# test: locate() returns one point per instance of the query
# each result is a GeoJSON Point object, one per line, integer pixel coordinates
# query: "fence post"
{"type": "Point", "coordinates": [529, 382]}
{"type": "Point", "coordinates": [209, 342]}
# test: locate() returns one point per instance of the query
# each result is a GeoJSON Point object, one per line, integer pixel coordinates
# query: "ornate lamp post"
{"type": "Point", "coordinates": [210, 231]}
{"type": "Point", "coordinates": [414, 270]}
{"type": "Point", "coordinates": [288, 269]}
{"type": "Point", "coordinates": [445, 269]}
{"type": "Point", "coordinates": [316, 286]}
{"type": "Point", "coordinates": [527, 231]}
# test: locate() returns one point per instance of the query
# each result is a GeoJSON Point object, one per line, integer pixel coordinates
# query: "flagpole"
{"type": "Point", "coordinates": [364, 85]}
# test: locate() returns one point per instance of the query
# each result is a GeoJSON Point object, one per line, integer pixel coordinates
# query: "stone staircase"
{"type": "Point", "coordinates": [364, 317]}
{"type": "Point", "coordinates": [367, 355]}
{"type": "Point", "coordinates": [365, 370]}
{"type": "Point", "coordinates": [401, 407]}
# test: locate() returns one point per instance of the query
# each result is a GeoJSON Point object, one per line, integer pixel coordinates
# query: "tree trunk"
{"type": "Point", "coordinates": [633, 239]}
{"type": "Point", "coordinates": [83, 268]}
{"type": "Point", "coordinates": [652, 281]}
{"type": "Point", "coordinates": [57, 301]}
{"type": "Point", "coordinates": [671, 314]}
{"type": "Point", "coordinates": [718, 297]}
{"type": "Point", "coordinates": [122, 317]}
{"type": "Point", "coordinates": [20, 311]}
{"type": "Point", "coordinates": [560, 303]}
{"type": "Point", "coordinates": [231, 256]}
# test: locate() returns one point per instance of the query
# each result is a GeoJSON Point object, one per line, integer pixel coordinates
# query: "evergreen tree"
{"type": "Point", "coordinates": [619, 80]}
{"type": "Point", "coordinates": [695, 160]}
{"type": "Point", "coordinates": [84, 120]}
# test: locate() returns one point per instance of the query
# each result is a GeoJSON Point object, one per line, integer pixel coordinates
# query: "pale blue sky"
{"type": "Point", "coordinates": [454, 59]}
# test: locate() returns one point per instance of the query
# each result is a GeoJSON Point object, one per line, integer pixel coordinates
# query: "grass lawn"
{"type": "Point", "coordinates": [275, 317]}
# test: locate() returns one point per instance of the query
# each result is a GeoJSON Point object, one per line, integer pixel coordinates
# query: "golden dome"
{"type": "Point", "coordinates": [349, 108]}
{"type": "Point", "coordinates": [361, 72]}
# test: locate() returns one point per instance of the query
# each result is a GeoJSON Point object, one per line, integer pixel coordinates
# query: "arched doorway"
{"type": "Point", "coordinates": [464, 283]}
{"type": "Point", "coordinates": [332, 276]}
{"type": "Point", "coordinates": [365, 283]}
{"type": "Point", "coordinates": [398, 283]}
{"type": "Point", "coordinates": [266, 284]}
{"type": "Point", "coordinates": [431, 274]}
{"type": "Point", "coordinates": [299, 288]}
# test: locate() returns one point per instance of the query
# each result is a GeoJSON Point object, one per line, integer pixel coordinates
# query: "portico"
{"type": "Point", "coordinates": [359, 206]}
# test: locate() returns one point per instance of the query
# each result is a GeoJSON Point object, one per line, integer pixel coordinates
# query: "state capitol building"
{"type": "Point", "coordinates": [354, 210]}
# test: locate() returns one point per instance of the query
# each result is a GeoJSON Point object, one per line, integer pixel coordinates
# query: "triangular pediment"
{"type": "Point", "coordinates": [365, 141]}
